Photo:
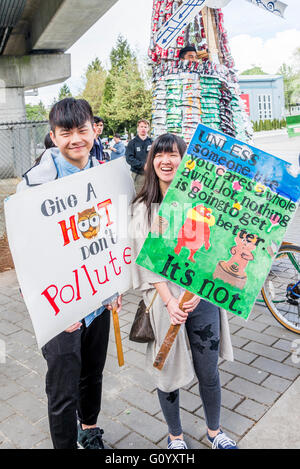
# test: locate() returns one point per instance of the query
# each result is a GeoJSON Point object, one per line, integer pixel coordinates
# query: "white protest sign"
{"type": "Point", "coordinates": [69, 243]}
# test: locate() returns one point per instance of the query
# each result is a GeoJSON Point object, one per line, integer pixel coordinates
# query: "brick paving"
{"type": "Point", "coordinates": [131, 416]}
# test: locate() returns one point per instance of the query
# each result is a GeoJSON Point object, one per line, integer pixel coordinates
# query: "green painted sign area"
{"type": "Point", "coordinates": [219, 229]}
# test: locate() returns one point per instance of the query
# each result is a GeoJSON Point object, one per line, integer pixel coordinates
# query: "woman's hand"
{"type": "Point", "coordinates": [177, 316]}
{"type": "Point", "coordinates": [74, 327]}
{"type": "Point", "coordinates": [190, 305]}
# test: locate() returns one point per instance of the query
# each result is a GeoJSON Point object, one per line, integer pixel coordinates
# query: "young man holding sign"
{"type": "Point", "coordinates": [76, 357]}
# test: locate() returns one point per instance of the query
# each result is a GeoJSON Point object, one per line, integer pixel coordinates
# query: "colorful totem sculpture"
{"type": "Point", "coordinates": [205, 91]}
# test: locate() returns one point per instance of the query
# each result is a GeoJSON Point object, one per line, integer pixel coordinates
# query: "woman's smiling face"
{"type": "Point", "coordinates": [166, 163]}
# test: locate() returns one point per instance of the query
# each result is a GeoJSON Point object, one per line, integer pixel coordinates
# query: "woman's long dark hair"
{"type": "Point", "coordinates": [150, 192]}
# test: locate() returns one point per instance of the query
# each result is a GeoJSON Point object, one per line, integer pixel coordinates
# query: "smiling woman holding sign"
{"type": "Point", "coordinates": [206, 328]}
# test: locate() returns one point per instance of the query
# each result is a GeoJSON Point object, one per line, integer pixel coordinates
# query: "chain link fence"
{"type": "Point", "coordinates": [20, 144]}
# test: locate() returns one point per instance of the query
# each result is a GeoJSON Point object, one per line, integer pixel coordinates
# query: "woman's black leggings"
{"type": "Point", "coordinates": [203, 329]}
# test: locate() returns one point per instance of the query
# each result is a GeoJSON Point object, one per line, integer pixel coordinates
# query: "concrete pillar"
{"type": "Point", "coordinates": [18, 74]}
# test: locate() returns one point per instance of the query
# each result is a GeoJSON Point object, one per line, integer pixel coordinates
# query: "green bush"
{"type": "Point", "coordinates": [268, 124]}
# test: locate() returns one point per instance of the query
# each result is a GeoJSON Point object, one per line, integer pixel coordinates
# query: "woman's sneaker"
{"type": "Point", "coordinates": [222, 441]}
{"type": "Point", "coordinates": [90, 438]}
{"type": "Point", "coordinates": [176, 444]}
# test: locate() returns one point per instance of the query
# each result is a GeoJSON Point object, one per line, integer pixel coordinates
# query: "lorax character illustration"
{"type": "Point", "coordinates": [89, 223]}
{"type": "Point", "coordinates": [196, 230]}
{"type": "Point", "coordinates": [233, 270]}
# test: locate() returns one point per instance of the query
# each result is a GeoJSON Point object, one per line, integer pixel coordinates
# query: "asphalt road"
{"type": "Point", "coordinates": [279, 144]}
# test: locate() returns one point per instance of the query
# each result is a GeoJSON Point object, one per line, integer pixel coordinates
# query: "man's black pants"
{"type": "Point", "coordinates": [74, 379]}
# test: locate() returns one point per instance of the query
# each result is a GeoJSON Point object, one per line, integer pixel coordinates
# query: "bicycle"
{"type": "Point", "coordinates": [281, 290]}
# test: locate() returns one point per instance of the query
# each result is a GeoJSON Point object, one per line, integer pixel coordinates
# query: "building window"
{"type": "Point", "coordinates": [265, 110]}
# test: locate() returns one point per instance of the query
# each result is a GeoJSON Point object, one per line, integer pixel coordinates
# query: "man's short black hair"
{"type": "Point", "coordinates": [98, 119]}
{"type": "Point", "coordinates": [70, 113]}
{"type": "Point", "coordinates": [117, 136]}
{"type": "Point", "coordinates": [184, 50]}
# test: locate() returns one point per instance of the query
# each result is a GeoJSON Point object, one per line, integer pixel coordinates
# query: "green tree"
{"type": "Point", "coordinates": [254, 70]}
{"type": "Point", "coordinates": [64, 92]}
{"type": "Point", "coordinates": [36, 112]}
{"type": "Point", "coordinates": [290, 80]}
{"type": "Point", "coordinates": [126, 96]}
{"type": "Point", "coordinates": [119, 56]}
{"type": "Point", "coordinates": [130, 100]}
{"type": "Point", "coordinates": [95, 78]}
{"type": "Point", "coordinates": [95, 66]}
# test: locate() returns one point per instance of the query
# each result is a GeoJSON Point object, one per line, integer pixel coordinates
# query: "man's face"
{"type": "Point", "coordinates": [99, 127]}
{"type": "Point", "coordinates": [75, 144]}
{"type": "Point", "coordinates": [191, 56]}
{"type": "Point", "coordinates": [143, 130]}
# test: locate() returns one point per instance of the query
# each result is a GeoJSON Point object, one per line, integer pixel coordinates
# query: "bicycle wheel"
{"type": "Point", "coordinates": [281, 290]}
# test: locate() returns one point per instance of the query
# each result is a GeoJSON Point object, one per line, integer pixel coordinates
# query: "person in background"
{"type": "Point", "coordinates": [189, 53]}
{"type": "Point", "coordinates": [137, 152]}
{"type": "Point", "coordinates": [117, 147]}
{"type": "Point", "coordinates": [98, 151]}
{"type": "Point", "coordinates": [48, 143]}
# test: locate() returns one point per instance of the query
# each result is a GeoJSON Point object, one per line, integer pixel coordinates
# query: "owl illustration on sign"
{"type": "Point", "coordinates": [89, 223]}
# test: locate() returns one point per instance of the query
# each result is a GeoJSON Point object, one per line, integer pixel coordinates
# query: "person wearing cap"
{"type": "Point", "coordinates": [117, 147]}
{"type": "Point", "coordinates": [188, 53]}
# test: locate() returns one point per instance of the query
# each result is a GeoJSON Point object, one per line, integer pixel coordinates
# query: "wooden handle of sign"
{"type": "Point", "coordinates": [170, 337]}
{"type": "Point", "coordinates": [118, 335]}
{"type": "Point", "coordinates": [211, 34]}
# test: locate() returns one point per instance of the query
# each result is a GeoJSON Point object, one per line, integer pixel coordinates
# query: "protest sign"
{"type": "Point", "coordinates": [222, 220]}
{"type": "Point", "coordinates": [69, 244]}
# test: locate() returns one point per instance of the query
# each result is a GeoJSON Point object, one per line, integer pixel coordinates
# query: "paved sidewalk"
{"type": "Point", "coordinates": [253, 387]}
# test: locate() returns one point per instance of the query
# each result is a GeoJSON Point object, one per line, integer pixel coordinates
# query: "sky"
{"type": "Point", "coordinates": [256, 38]}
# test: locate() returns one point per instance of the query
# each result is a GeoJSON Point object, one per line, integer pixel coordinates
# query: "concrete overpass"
{"type": "Point", "coordinates": [34, 35]}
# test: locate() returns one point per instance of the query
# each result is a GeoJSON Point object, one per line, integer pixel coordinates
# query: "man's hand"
{"type": "Point", "coordinates": [74, 327]}
{"type": "Point", "coordinates": [119, 304]}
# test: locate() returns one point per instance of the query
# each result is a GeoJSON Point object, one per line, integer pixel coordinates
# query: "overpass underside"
{"type": "Point", "coordinates": [34, 36]}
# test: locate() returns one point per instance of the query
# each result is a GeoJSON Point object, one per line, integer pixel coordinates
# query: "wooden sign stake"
{"type": "Point", "coordinates": [211, 34]}
{"type": "Point", "coordinates": [170, 337]}
{"type": "Point", "coordinates": [117, 334]}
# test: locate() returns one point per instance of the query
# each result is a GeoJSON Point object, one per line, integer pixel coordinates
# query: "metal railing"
{"type": "Point", "coordinates": [20, 144]}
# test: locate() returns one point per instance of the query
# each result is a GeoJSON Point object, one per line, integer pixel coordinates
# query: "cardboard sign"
{"type": "Point", "coordinates": [69, 244]}
{"type": "Point", "coordinates": [222, 221]}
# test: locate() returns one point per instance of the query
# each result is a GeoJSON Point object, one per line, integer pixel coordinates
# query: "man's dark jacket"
{"type": "Point", "coordinates": [136, 153]}
{"type": "Point", "coordinates": [98, 151]}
